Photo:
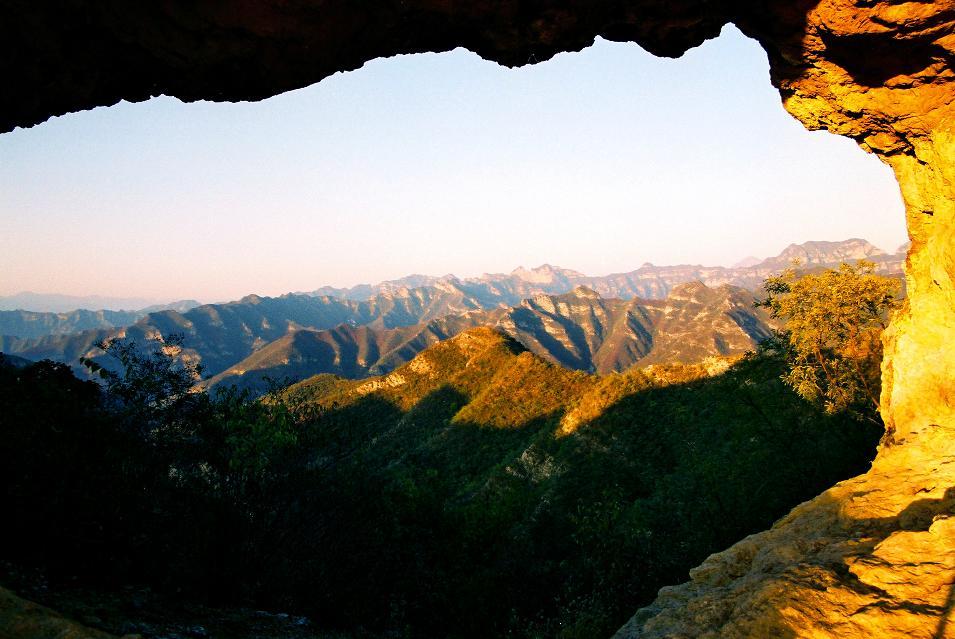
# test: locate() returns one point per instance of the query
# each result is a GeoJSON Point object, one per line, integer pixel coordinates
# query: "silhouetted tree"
{"type": "Point", "coordinates": [154, 383]}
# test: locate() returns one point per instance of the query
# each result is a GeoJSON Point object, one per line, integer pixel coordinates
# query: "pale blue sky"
{"type": "Point", "coordinates": [597, 161]}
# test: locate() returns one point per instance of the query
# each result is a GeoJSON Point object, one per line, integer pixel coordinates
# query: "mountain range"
{"type": "Point", "coordinates": [57, 303]}
{"type": "Point", "coordinates": [220, 335]}
{"type": "Point", "coordinates": [577, 330]}
{"type": "Point", "coordinates": [609, 323]}
{"type": "Point", "coordinates": [22, 323]}
{"type": "Point", "coordinates": [648, 282]}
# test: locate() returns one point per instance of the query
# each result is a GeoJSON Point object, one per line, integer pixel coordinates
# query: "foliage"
{"type": "Point", "coordinates": [256, 433]}
{"type": "Point", "coordinates": [153, 386]}
{"type": "Point", "coordinates": [451, 504]}
{"type": "Point", "coordinates": [834, 321]}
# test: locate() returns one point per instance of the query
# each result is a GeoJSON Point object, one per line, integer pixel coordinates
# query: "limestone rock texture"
{"type": "Point", "coordinates": [873, 556]}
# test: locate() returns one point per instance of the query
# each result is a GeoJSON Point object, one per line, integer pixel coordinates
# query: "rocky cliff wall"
{"type": "Point", "coordinates": [874, 556]}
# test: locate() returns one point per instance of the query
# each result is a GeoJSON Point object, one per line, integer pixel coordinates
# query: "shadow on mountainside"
{"type": "Point", "coordinates": [460, 514]}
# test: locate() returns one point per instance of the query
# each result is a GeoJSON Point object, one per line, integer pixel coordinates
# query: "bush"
{"type": "Point", "coordinates": [832, 338]}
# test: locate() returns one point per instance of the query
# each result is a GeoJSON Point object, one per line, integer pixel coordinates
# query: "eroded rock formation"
{"type": "Point", "coordinates": [874, 556]}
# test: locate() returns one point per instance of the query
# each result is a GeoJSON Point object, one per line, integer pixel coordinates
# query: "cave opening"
{"type": "Point", "coordinates": [899, 111]}
{"type": "Point", "coordinates": [435, 164]}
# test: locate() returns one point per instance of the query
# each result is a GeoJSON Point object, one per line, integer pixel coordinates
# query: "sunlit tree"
{"type": "Point", "coordinates": [832, 333]}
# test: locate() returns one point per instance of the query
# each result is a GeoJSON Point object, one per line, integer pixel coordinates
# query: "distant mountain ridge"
{"type": "Point", "coordinates": [58, 303]}
{"type": "Point", "coordinates": [577, 330]}
{"type": "Point", "coordinates": [27, 324]}
{"type": "Point", "coordinates": [648, 281]}
{"type": "Point", "coordinates": [221, 336]}
{"type": "Point", "coordinates": [828, 253]}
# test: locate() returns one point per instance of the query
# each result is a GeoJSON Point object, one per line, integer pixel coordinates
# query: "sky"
{"type": "Point", "coordinates": [597, 161]}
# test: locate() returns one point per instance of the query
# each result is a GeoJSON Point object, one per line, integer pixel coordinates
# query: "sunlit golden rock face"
{"type": "Point", "coordinates": [875, 555]}
{"type": "Point", "coordinates": [868, 558]}
{"type": "Point", "coordinates": [872, 557]}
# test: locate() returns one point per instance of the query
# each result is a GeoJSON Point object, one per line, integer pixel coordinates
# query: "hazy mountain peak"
{"type": "Point", "coordinates": [544, 274]}
{"type": "Point", "coordinates": [821, 252]}
{"type": "Point", "coordinates": [747, 262]}
{"type": "Point", "coordinates": [180, 306]}
{"type": "Point", "coordinates": [59, 303]}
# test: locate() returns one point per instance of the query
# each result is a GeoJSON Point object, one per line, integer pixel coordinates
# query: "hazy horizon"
{"type": "Point", "coordinates": [134, 303]}
{"type": "Point", "coordinates": [151, 301]}
{"type": "Point", "coordinates": [437, 163]}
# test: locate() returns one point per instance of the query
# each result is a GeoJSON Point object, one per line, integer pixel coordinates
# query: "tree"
{"type": "Point", "coordinates": [832, 335]}
{"type": "Point", "coordinates": [155, 384]}
{"type": "Point", "coordinates": [230, 437]}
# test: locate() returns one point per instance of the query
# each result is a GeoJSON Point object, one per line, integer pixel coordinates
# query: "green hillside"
{"type": "Point", "coordinates": [515, 496]}
{"type": "Point", "coordinates": [476, 491]}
